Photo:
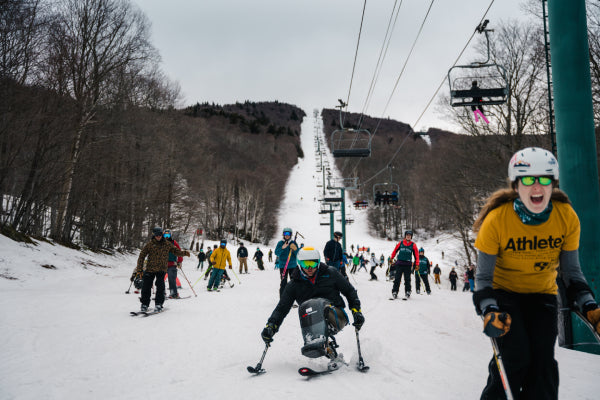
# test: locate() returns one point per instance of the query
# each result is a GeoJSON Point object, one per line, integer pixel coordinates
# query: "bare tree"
{"type": "Point", "coordinates": [91, 40]}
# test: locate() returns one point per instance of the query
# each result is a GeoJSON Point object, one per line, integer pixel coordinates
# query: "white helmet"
{"type": "Point", "coordinates": [532, 161]}
{"type": "Point", "coordinates": [308, 254]}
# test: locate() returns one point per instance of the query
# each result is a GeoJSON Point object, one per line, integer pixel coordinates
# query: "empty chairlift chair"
{"type": "Point", "coordinates": [349, 142]}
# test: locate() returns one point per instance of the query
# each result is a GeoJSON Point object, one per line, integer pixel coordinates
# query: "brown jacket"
{"type": "Point", "coordinates": [158, 255]}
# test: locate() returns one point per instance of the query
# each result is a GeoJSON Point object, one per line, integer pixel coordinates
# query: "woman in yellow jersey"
{"type": "Point", "coordinates": [525, 233]}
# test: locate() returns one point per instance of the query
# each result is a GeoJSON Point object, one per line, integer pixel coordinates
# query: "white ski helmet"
{"type": "Point", "coordinates": [532, 161]}
{"type": "Point", "coordinates": [308, 254]}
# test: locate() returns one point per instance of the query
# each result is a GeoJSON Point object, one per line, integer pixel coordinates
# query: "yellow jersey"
{"type": "Point", "coordinates": [528, 255]}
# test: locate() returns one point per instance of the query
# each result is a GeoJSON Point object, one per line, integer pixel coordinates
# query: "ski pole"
{"type": "Point", "coordinates": [258, 369]}
{"type": "Point", "coordinates": [202, 276]}
{"type": "Point", "coordinates": [501, 370]}
{"type": "Point", "coordinates": [188, 281]}
{"type": "Point", "coordinates": [361, 364]}
{"type": "Point", "coordinates": [236, 275]}
{"type": "Point", "coordinates": [131, 283]}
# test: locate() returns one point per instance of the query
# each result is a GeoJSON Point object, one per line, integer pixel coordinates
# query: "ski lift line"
{"type": "Point", "coordinates": [430, 100]}
{"type": "Point", "coordinates": [404, 66]}
{"type": "Point", "coordinates": [382, 55]}
{"type": "Point", "coordinates": [356, 54]}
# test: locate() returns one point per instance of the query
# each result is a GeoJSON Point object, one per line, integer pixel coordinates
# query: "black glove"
{"type": "Point", "coordinates": [133, 277]}
{"type": "Point", "coordinates": [359, 319]}
{"type": "Point", "coordinates": [268, 332]}
{"type": "Point", "coordinates": [496, 323]}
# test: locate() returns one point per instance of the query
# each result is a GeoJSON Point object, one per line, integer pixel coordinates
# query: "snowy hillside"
{"type": "Point", "coordinates": [67, 333]}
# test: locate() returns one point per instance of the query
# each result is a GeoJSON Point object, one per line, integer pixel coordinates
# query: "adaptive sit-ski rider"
{"type": "Point", "coordinates": [525, 232]}
{"type": "Point", "coordinates": [316, 287]}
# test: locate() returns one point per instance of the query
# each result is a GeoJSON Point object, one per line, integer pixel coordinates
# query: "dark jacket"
{"type": "Point", "coordinates": [158, 255]}
{"type": "Point", "coordinates": [328, 284]}
{"type": "Point", "coordinates": [242, 252]}
{"type": "Point", "coordinates": [201, 256]}
{"type": "Point", "coordinates": [333, 253]}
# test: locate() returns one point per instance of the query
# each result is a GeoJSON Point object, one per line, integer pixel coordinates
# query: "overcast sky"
{"type": "Point", "coordinates": [301, 51]}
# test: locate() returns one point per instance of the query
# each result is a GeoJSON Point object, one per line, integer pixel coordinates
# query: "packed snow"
{"type": "Point", "coordinates": [67, 332]}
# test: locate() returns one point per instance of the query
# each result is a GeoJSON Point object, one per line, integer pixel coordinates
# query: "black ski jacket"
{"type": "Point", "coordinates": [242, 252]}
{"type": "Point", "coordinates": [329, 283]}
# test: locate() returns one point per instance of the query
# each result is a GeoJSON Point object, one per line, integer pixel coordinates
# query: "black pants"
{"type": "Point", "coordinates": [402, 270]}
{"type": "Point", "coordinates": [373, 276]}
{"type": "Point", "coordinates": [419, 278]}
{"type": "Point", "coordinates": [453, 284]}
{"type": "Point", "coordinates": [284, 279]}
{"type": "Point", "coordinates": [527, 349]}
{"type": "Point", "coordinates": [147, 287]}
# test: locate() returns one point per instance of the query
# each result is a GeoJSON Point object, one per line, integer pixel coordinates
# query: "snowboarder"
{"type": "Point", "coordinates": [285, 251]}
{"type": "Point", "coordinates": [242, 255]}
{"type": "Point", "coordinates": [355, 262]}
{"type": "Point", "coordinates": [157, 250]}
{"type": "Point", "coordinates": [218, 259]}
{"type": "Point", "coordinates": [453, 276]}
{"type": "Point", "coordinates": [258, 255]}
{"type": "Point", "coordinates": [422, 274]}
{"type": "Point", "coordinates": [405, 249]}
{"type": "Point", "coordinates": [333, 253]}
{"type": "Point", "coordinates": [373, 263]}
{"type": "Point", "coordinates": [316, 287]}
{"type": "Point", "coordinates": [516, 285]}
{"type": "Point", "coordinates": [173, 264]}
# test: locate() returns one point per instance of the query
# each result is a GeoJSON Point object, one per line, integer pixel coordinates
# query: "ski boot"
{"type": "Point", "coordinates": [144, 308]}
{"type": "Point", "coordinates": [158, 308]}
{"type": "Point", "coordinates": [407, 295]}
{"type": "Point", "coordinates": [395, 295]}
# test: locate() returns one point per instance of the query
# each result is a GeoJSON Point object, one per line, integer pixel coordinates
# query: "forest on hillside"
{"type": "Point", "coordinates": [94, 150]}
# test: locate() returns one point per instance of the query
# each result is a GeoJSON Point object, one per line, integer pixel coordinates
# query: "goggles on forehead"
{"type": "Point", "coordinates": [308, 264]}
{"type": "Point", "coordinates": [530, 180]}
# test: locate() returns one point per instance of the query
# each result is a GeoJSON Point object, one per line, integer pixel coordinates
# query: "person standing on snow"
{"type": "Point", "coordinates": [405, 249]}
{"type": "Point", "coordinates": [436, 274]}
{"type": "Point", "coordinates": [422, 274]}
{"type": "Point", "coordinates": [242, 255]}
{"type": "Point", "coordinates": [317, 288]}
{"type": "Point", "coordinates": [201, 259]}
{"type": "Point", "coordinates": [270, 255]}
{"type": "Point", "coordinates": [471, 277]}
{"type": "Point", "coordinates": [285, 251]}
{"type": "Point", "coordinates": [453, 276]}
{"type": "Point", "coordinates": [173, 264]}
{"type": "Point", "coordinates": [218, 259]}
{"type": "Point", "coordinates": [524, 233]}
{"type": "Point", "coordinates": [157, 250]}
{"type": "Point", "coordinates": [373, 263]}
{"type": "Point", "coordinates": [334, 254]}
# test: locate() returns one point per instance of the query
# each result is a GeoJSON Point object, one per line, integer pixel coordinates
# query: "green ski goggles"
{"type": "Point", "coordinates": [530, 180]}
{"type": "Point", "coordinates": [308, 264]}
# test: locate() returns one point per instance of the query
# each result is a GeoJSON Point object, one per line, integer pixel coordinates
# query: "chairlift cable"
{"type": "Point", "coordinates": [429, 103]}
{"type": "Point", "coordinates": [355, 54]}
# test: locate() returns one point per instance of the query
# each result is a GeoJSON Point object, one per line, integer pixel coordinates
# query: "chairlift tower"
{"type": "Point", "coordinates": [341, 184]}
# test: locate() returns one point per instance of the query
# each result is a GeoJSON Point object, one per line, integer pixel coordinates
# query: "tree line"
{"type": "Point", "coordinates": [94, 150]}
{"type": "Point", "coordinates": [443, 184]}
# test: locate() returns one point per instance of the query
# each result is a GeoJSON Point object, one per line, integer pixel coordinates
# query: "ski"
{"type": "Point", "coordinates": [145, 313]}
{"type": "Point", "coordinates": [309, 372]}
{"type": "Point", "coordinates": [361, 366]}
{"type": "Point", "coordinates": [179, 298]}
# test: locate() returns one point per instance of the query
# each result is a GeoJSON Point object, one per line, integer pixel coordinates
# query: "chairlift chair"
{"type": "Point", "coordinates": [479, 83]}
{"type": "Point", "coordinates": [386, 193]}
{"type": "Point", "coordinates": [347, 142]}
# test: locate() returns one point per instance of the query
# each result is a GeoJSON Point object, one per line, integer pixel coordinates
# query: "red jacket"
{"type": "Point", "coordinates": [408, 244]}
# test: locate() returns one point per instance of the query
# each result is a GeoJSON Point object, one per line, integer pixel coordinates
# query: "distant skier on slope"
{"type": "Point", "coordinates": [286, 251]}
{"type": "Point", "coordinates": [157, 250]}
{"type": "Point", "coordinates": [316, 287]}
{"type": "Point", "coordinates": [334, 254]}
{"type": "Point", "coordinates": [405, 249]}
{"type": "Point", "coordinates": [422, 274]}
{"type": "Point", "coordinates": [524, 233]}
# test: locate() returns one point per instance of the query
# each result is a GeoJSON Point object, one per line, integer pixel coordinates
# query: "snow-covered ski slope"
{"type": "Point", "coordinates": [67, 333]}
